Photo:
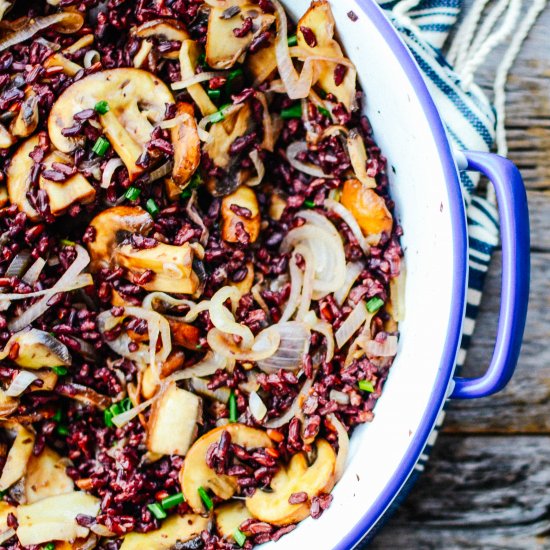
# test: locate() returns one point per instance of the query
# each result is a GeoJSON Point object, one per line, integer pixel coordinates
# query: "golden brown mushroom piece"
{"type": "Point", "coordinates": [230, 516]}
{"type": "Point", "coordinates": [38, 349]}
{"type": "Point", "coordinates": [168, 29]}
{"type": "Point", "coordinates": [320, 21]}
{"type": "Point", "coordinates": [195, 472]}
{"type": "Point", "coordinates": [297, 477]}
{"type": "Point", "coordinates": [241, 207]}
{"type": "Point", "coordinates": [26, 121]}
{"type": "Point", "coordinates": [223, 47]}
{"type": "Point", "coordinates": [187, 145]}
{"type": "Point", "coordinates": [137, 101]}
{"type": "Point", "coordinates": [18, 456]}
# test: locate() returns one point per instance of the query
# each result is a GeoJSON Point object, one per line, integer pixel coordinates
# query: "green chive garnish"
{"type": "Point", "coordinates": [152, 207]}
{"type": "Point", "coordinates": [60, 371]}
{"type": "Point", "coordinates": [292, 41]}
{"type": "Point", "coordinates": [374, 304]}
{"type": "Point", "coordinates": [233, 407]}
{"type": "Point", "coordinates": [57, 416]}
{"type": "Point", "coordinates": [201, 61]}
{"type": "Point", "coordinates": [100, 147]}
{"type": "Point", "coordinates": [324, 112]}
{"type": "Point", "coordinates": [66, 242]}
{"type": "Point", "coordinates": [63, 431]}
{"type": "Point", "coordinates": [366, 385]}
{"type": "Point", "coordinates": [172, 500]}
{"type": "Point", "coordinates": [240, 537]}
{"type": "Point", "coordinates": [132, 193]}
{"type": "Point", "coordinates": [108, 418]}
{"type": "Point", "coordinates": [214, 95]}
{"type": "Point", "coordinates": [126, 404]}
{"type": "Point", "coordinates": [157, 510]}
{"type": "Point", "coordinates": [218, 116]}
{"type": "Point", "coordinates": [49, 546]}
{"type": "Point", "coordinates": [309, 204]}
{"type": "Point", "coordinates": [292, 112]}
{"type": "Point", "coordinates": [206, 498]}
{"type": "Point", "coordinates": [233, 80]}
{"type": "Point", "coordinates": [101, 107]}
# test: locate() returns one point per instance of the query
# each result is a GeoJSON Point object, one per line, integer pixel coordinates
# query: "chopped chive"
{"type": "Point", "coordinates": [205, 498]}
{"type": "Point", "coordinates": [60, 371]}
{"type": "Point", "coordinates": [126, 404]}
{"type": "Point", "coordinates": [366, 385]}
{"type": "Point", "coordinates": [201, 61]}
{"type": "Point", "coordinates": [66, 242]}
{"type": "Point", "coordinates": [374, 304]}
{"type": "Point", "coordinates": [233, 81]}
{"type": "Point", "coordinates": [108, 418]}
{"type": "Point", "coordinates": [100, 147]}
{"type": "Point", "coordinates": [292, 41]}
{"type": "Point", "coordinates": [214, 95]}
{"type": "Point", "coordinates": [324, 112]}
{"type": "Point", "coordinates": [218, 116]}
{"type": "Point", "coordinates": [292, 112]}
{"type": "Point", "coordinates": [63, 431]}
{"type": "Point", "coordinates": [186, 193]}
{"type": "Point", "coordinates": [240, 537]}
{"type": "Point", "coordinates": [132, 193]}
{"type": "Point", "coordinates": [152, 207]}
{"type": "Point", "coordinates": [101, 107]}
{"type": "Point", "coordinates": [157, 510]}
{"type": "Point", "coordinates": [49, 546]}
{"type": "Point", "coordinates": [57, 416]}
{"type": "Point", "coordinates": [309, 204]}
{"type": "Point", "coordinates": [172, 500]}
{"type": "Point", "coordinates": [233, 407]}
{"type": "Point", "coordinates": [196, 180]}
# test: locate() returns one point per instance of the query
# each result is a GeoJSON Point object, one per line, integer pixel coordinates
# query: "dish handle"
{"type": "Point", "coordinates": [514, 219]}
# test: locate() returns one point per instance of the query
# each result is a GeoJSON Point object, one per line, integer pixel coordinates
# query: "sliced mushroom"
{"type": "Point", "coordinates": [49, 380]}
{"type": "Point", "coordinates": [189, 58]}
{"type": "Point", "coordinates": [195, 472]}
{"type": "Point", "coordinates": [368, 208]}
{"type": "Point", "coordinates": [3, 196]}
{"type": "Point", "coordinates": [245, 199]}
{"type": "Point", "coordinates": [75, 190]}
{"type": "Point", "coordinates": [18, 457]}
{"type": "Point", "coordinates": [26, 121]}
{"type": "Point", "coordinates": [70, 68]}
{"type": "Point", "coordinates": [187, 145]}
{"type": "Point", "coordinates": [6, 139]}
{"type": "Point", "coordinates": [150, 381]}
{"type": "Point", "coordinates": [173, 423]}
{"type": "Point", "coordinates": [230, 516]}
{"type": "Point", "coordinates": [175, 530]}
{"type": "Point", "coordinates": [184, 334]}
{"type": "Point", "coordinates": [83, 42]}
{"type": "Point", "coordinates": [111, 227]}
{"type": "Point", "coordinates": [8, 405]}
{"type": "Point", "coordinates": [54, 518]}
{"type": "Point", "coordinates": [320, 21]}
{"type": "Point", "coordinates": [223, 47]}
{"type": "Point", "coordinates": [5, 510]}
{"type": "Point", "coordinates": [277, 206]}
{"type": "Point", "coordinates": [262, 64]}
{"type": "Point", "coordinates": [166, 29]}
{"type": "Point", "coordinates": [46, 476]}
{"type": "Point", "coordinates": [173, 192]}
{"type": "Point", "coordinates": [18, 174]}
{"type": "Point", "coordinates": [137, 100]}
{"type": "Point", "coordinates": [172, 266]}
{"type": "Point", "coordinates": [274, 507]}
{"type": "Point", "coordinates": [37, 349]}
{"type": "Point", "coordinates": [142, 55]}
{"type": "Point", "coordinates": [358, 157]}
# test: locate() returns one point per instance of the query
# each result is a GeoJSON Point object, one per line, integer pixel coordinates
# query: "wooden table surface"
{"type": "Point", "coordinates": [487, 484]}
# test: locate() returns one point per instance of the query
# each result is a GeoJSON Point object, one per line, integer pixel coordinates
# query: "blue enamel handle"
{"type": "Point", "coordinates": [514, 219]}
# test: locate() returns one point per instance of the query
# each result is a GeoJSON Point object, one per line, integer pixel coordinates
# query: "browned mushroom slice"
{"type": "Point", "coordinates": [187, 147]}
{"type": "Point", "coordinates": [37, 349]}
{"type": "Point", "coordinates": [175, 531]}
{"type": "Point", "coordinates": [223, 47]}
{"type": "Point", "coordinates": [61, 195]}
{"type": "Point", "coordinates": [46, 476]}
{"type": "Point", "coordinates": [230, 516]}
{"type": "Point", "coordinates": [166, 29]}
{"type": "Point", "coordinates": [18, 174]}
{"type": "Point", "coordinates": [6, 139]}
{"type": "Point", "coordinates": [172, 266]}
{"type": "Point", "coordinates": [320, 21]}
{"type": "Point", "coordinates": [5, 510]}
{"type": "Point", "coordinates": [195, 472]}
{"type": "Point", "coordinates": [137, 100]}
{"type": "Point", "coordinates": [240, 210]}
{"type": "Point", "coordinates": [274, 507]}
{"type": "Point", "coordinates": [184, 334]}
{"type": "Point", "coordinates": [358, 158]}
{"type": "Point", "coordinates": [3, 196]}
{"type": "Point", "coordinates": [55, 518]}
{"type": "Point", "coordinates": [18, 456]}
{"type": "Point", "coordinates": [70, 68]}
{"type": "Point", "coordinates": [26, 121]}
{"type": "Point", "coordinates": [262, 64]}
{"type": "Point", "coordinates": [173, 423]}
{"type": "Point", "coordinates": [112, 226]}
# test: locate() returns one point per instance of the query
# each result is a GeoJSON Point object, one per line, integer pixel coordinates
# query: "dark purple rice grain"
{"type": "Point", "coordinates": [309, 36]}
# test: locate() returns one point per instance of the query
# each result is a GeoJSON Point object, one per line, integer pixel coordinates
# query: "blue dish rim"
{"type": "Point", "coordinates": [460, 255]}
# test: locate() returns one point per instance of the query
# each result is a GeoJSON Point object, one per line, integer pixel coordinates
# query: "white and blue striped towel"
{"type": "Point", "coordinates": [470, 122]}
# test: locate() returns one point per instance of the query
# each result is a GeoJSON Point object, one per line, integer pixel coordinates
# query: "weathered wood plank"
{"type": "Point", "coordinates": [478, 492]}
{"type": "Point", "coordinates": [524, 406]}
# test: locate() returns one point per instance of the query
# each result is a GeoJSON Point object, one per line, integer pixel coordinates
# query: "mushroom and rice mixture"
{"type": "Point", "coordinates": [200, 272]}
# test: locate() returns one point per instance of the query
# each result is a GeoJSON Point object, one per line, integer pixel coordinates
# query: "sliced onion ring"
{"type": "Point", "coordinates": [20, 383]}
{"type": "Point", "coordinates": [264, 346]}
{"type": "Point", "coordinates": [343, 446]}
{"type": "Point", "coordinates": [196, 79]}
{"type": "Point", "coordinates": [352, 324]}
{"type": "Point", "coordinates": [293, 150]}
{"type": "Point", "coordinates": [110, 168]}
{"type": "Point", "coordinates": [211, 363]}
